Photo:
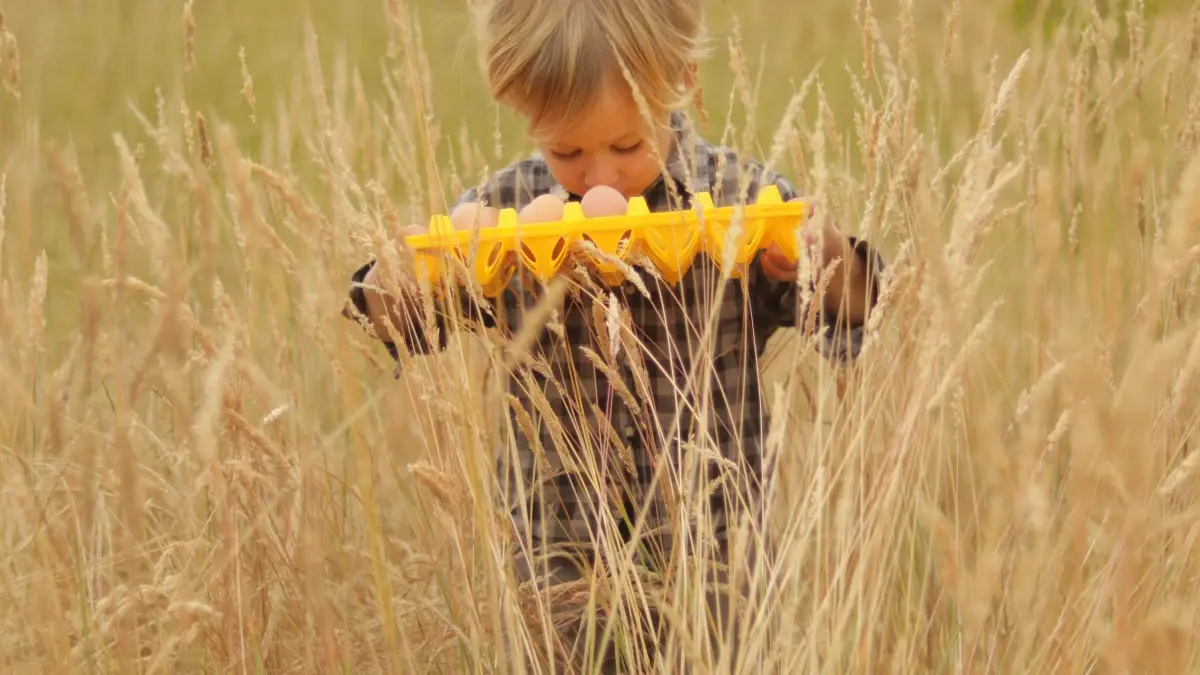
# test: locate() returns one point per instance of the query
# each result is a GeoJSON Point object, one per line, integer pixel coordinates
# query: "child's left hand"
{"type": "Point", "coordinates": [826, 243]}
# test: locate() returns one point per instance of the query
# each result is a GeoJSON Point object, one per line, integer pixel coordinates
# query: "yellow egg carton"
{"type": "Point", "coordinates": [671, 239]}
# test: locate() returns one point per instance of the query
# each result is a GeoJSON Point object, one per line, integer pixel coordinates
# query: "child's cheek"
{"type": "Point", "coordinates": [642, 171]}
{"type": "Point", "coordinates": [567, 175]}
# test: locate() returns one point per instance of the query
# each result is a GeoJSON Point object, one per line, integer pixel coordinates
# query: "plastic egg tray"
{"type": "Point", "coordinates": [671, 240]}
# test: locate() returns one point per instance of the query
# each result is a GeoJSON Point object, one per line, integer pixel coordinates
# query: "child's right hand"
{"type": "Point", "coordinates": [382, 306]}
{"type": "Point", "coordinates": [463, 217]}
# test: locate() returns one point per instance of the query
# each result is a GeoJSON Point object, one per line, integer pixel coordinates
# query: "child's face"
{"type": "Point", "coordinates": [611, 145]}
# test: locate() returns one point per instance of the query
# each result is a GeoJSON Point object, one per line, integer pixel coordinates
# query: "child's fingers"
{"type": "Point", "coordinates": [776, 264]}
{"type": "Point", "coordinates": [810, 235]}
{"type": "Point", "coordinates": [776, 255]}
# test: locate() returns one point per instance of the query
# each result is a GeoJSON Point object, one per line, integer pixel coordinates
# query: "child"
{"type": "Point", "coordinates": [623, 407]}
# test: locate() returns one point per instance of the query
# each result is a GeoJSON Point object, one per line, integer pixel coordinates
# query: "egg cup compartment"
{"type": "Point", "coordinates": [671, 240]}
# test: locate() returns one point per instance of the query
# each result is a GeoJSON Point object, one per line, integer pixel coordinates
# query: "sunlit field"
{"type": "Point", "coordinates": [206, 467]}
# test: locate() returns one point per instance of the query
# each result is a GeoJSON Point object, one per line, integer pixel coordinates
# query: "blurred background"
{"type": "Point", "coordinates": [85, 66]}
{"type": "Point", "coordinates": [85, 63]}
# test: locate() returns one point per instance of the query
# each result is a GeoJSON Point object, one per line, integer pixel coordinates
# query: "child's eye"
{"type": "Point", "coordinates": [565, 155]}
{"type": "Point", "coordinates": [628, 150]}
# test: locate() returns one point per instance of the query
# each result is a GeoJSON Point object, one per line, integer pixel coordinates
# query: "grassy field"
{"type": "Point", "coordinates": [205, 468]}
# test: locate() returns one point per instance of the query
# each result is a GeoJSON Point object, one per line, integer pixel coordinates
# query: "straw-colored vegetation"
{"type": "Point", "coordinates": [205, 468]}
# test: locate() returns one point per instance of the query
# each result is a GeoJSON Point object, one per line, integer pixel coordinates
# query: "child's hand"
{"type": "Point", "coordinates": [776, 264]}
{"type": "Point", "coordinates": [826, 243]}
{"type": "Point", "coordinates": [382, 306]}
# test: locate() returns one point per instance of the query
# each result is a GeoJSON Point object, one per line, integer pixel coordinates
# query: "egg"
{"type": "Point", "coordinates": [465, 217]}
{"type": "Point", "coordinates": [603, 201]}
{"type": "Point", "coordinates": [544, 209]}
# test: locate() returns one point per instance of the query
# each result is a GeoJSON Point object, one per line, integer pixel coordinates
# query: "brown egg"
{"type": "Point", "coordinates": [544, 209]}
{"type": "Point", "coordinates": [464, 217]}
{"type": "Point", "coordinates": [603, 201]}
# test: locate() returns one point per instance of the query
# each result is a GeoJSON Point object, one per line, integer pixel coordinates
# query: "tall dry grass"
{"type": "Point", "coordinates": [205, 468]}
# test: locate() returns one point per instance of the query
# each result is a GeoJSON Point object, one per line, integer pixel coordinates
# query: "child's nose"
{"type": "Point", "coordinates": [601, 173]}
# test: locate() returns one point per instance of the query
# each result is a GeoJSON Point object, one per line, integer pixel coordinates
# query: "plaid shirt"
{"type": "Point", "coordinates": [683, 382]}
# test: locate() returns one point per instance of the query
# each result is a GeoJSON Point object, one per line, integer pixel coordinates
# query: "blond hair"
{"type": "Point", "coordinates": [550, 58]}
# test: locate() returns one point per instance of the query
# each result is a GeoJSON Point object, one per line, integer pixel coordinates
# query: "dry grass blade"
{"type": "Point", "coordinates": [248, 86]}
{"type": "Point", "coordinates": [535, 321]}
{"type": "Point", "coordinates": [3, 210]}
{"type": "Point", "coordinates": [10, 59]}
{"type": "Point", "coordinates": [189, 37]}
{"type": "Point", "coordinates": [204, 469]}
